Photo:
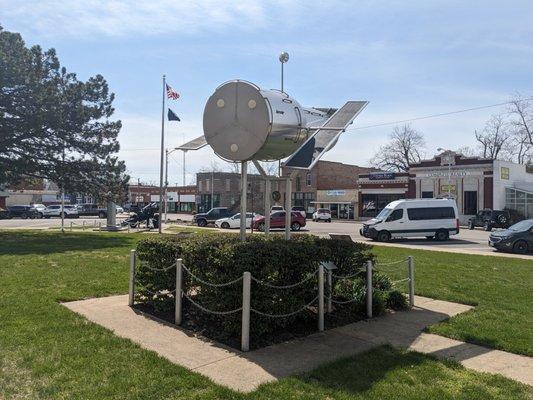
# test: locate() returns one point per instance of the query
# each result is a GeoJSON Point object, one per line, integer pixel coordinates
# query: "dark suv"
{"type": "Point", "coordinates": [489, 219]}
{"type": "Point", "coordinates": [518, 238]}
{"type": "Point", "coordinates": [203, 219]}
{"type": "Point", "coordinates": [22, 212]}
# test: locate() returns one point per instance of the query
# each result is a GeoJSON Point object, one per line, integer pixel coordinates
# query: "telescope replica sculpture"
{"type": "Point", "coordinates": [243, 123]}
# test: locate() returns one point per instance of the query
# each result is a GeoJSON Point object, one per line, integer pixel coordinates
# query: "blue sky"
{"type": "Point", "coordinates": [409, 59]}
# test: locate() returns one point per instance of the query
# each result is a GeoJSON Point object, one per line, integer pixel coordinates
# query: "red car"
{"type": "Point", "coordinates": [277, 220]}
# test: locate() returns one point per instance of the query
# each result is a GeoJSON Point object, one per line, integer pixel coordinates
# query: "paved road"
{"type": "Point", "coordinates": [468, 241]}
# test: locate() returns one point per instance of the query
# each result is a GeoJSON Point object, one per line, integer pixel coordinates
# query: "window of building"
{"type": "Point", "coordinates": [427, 195]}
{"type": "Point", "coordinates": [207, 185]}
{"type": "Point", "coordinates": [199, 185]}
{"type": "Point", "coordinates": [308, 179]}
{"type": "Point", "coordinates": [470, 202]}
{"type": "Point", "coordinates": [519, 202]}
{"type": "Point", "coordinates": [228, 185]}
{"type": "Point", "coordinates": [298, 184]}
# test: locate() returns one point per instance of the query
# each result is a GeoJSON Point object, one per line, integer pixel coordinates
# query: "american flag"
{"type": "Point", "coordinates": [172, 94]}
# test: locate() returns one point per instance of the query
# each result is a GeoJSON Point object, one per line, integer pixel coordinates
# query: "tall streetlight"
{"type": "Point", "coordinates": [283, 58]}
{"type": "Point", "coordinates": [449, 169]}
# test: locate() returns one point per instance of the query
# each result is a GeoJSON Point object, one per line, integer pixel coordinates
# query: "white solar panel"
{"type": "Point", "coordinates": [195, 144]}
{"type": "Point", "coordinates": [325, 137]}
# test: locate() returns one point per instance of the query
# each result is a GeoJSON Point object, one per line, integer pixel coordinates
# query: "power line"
{"type": "Point", "coordinates": [435, 115]}
{"type": "Point", "coordinates": [399, 121]}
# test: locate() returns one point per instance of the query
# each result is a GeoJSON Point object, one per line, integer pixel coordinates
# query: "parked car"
{"type": "Point", "coordinates": [22, 211]}
{"type": "Point", "coordinates": [276, 208]}
{"type": "Point", "coordinates": [432, 218]}
{"type": "Point", "coordinates": [489, 219]}
{"type": "Point", "coordinates": [277, 220]}
{"type": "Point", "coordinates": [235, 221]}
{"type": "Point", "coordinates": [40, 208]}
{"type": "Point", "coordinates": [69, 211]}
{"type": "Point", "coordinates": [322, 214]}
{"type": "Point", "coordinates": [4, 214]}
{"type": "Point", "coordinates": [518, 238]}
{"type": "Point", "coordinates": [90, 209]}
{"type": "Point", "coordinates": [119, 209]}
{"type": "Point", "coordinates": [301, 210]}
{"type": "Point", "coordinates": [204, 219]}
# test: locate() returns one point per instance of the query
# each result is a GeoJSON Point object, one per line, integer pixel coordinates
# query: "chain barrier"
{"type": "Point", "coordinates": [340, 277]}
{"type": "Point", "coordinates": [161, 292]}
{"type": "Point", "coordinates": [217, 285]}
{"type": "Point", "coordinates": [263, 283]}
{"type": "Point", "coordinates": [391, 263]}
{"type": "Point", "coordinates": [284, 315]}
{"type": "Point", "coordinates": [207, 310]}
{"type": "Point", "coordinates": [340, 301]}
{"type": "Point", "coordinates": [146, 265]}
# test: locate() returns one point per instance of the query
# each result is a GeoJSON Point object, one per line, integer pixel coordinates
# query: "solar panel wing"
{"type": "Point", "coordinates": [195, 144]}
{"type": "Point", "coordinates": [325, 137]}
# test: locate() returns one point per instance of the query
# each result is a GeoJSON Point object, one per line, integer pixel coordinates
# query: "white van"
{"type": "Point", "coordinates": [432, 218]}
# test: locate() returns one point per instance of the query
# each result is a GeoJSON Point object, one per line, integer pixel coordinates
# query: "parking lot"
{"type": "Point", "coordinates": [468, 241]}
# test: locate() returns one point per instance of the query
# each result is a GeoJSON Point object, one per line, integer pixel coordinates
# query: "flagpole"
{"type": "Point", "coordinates": [162, 157]}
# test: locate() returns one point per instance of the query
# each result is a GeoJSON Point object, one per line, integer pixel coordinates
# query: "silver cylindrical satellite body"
{"type": "Point", "coordinates": [244, 122]}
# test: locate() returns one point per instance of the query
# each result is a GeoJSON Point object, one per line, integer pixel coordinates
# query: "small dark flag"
{"type": "Point", "coordinates": [172, 116]}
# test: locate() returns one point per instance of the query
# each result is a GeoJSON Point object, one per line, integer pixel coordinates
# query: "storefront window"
{"type": "Point", "coordinates": [427, 195]}
{"type": "Point", "coordinates": [519, 203]}
{"type": "Point", "coordinates": [470, 202]}
{"type": "Point", "coordinates": [374, 203]}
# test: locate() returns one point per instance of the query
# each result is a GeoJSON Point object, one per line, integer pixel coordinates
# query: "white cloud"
{"type": "Point", "coordinates": [130, 17]}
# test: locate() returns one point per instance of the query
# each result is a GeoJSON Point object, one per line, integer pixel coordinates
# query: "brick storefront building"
{"type": "Point", "coordinates": [180, 199]}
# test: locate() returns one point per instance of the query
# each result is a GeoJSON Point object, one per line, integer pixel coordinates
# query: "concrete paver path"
{"type": "Point", "coordinates": [246, 371]}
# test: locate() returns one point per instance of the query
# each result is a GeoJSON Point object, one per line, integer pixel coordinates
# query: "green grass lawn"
{"type": "Point", "coordinates": [500, 288]}
{"type": "Point", "coordinates": [47, 352]}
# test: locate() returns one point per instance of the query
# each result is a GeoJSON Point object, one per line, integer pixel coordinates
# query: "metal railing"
{"type": "Point", "coordinates": [246, 309]}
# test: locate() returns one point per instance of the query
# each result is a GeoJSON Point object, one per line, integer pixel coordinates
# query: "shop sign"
{"type": "Point", "coordinates": [447, 188]}
{"type": "Point", "coordinates": [335, 192]}
{"type": "Point", "coordinates": [379, 176]}
{"type": "Point", "coordinates": [504, 173]}
{"type": "Point", "coordinates": [443, 173]}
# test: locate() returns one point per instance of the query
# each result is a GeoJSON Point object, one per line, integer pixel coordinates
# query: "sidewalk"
{"type": "Point", "coordinates": [246, 371]}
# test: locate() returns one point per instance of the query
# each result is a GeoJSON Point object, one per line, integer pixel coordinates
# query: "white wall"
{"type": "Point", "coordinates": [517, 173]}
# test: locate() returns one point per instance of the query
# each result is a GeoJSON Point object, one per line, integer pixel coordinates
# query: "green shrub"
{"type": "Point", "coordinates": [396, 300]}
{"type": "Point", "coordinates": [220, 258]}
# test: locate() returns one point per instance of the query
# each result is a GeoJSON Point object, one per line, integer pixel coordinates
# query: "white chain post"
{"type": "Point", "coordinates": [330, 291]}
{"type": "Point", "coordinates": [369, 289]}
{"type": "Point", "coordinates": [178, 294]}
{"type": "Point", "coordinates": [411, 266]}
{"type": "Point", "coordinates": [245, 323]}
{"type": "Point", "coordinates": [321, 297]}
{"type": "Point", "coordinates": [131, 292]}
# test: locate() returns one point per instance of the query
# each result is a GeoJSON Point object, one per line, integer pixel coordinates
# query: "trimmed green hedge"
{"type": "Point", "coordinates": [220, 258]}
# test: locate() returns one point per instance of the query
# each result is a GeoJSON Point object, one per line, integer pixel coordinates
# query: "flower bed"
{"type": "Point", "coordinates": [272, 261]}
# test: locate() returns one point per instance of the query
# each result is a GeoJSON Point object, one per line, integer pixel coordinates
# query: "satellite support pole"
{"type": "Point", "coordinates": [267, 205]}
{"type": "Point", "coordinates": [244, 190]}
{"type": "Point", "coordinates": [288, 212]}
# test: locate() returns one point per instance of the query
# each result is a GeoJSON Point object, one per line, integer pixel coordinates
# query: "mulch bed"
{"type": "Point", "coordinates": [196, 322]}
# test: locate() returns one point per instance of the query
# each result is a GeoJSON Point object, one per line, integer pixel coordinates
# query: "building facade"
{"type": "Point", "coordinates": [475, 183]}
{"type": "Point", "coordinates": [180, 199]}
{"type": "Point", "coordinates": [331, 185]}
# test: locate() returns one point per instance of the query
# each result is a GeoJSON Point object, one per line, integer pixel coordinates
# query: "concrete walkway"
{"type": "Point", "coordinates": [246, 371]}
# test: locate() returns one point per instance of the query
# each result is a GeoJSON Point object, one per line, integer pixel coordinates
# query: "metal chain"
{"type": "Point", "coordinates": [347, 276]}
{"type": "Point", "coordinates": [339, 301]}
{"type": "Point", "coordinates": [400, 281]}
{"type": "Point", "coordinates": [263, 283]}
{"type": "Point", "coordinates": [146, 265]}
{"type": "Point", "coordinates": [211, 311]}
{"type": "Point", "coordinates": [209, 283]}
{"type": "Point", "coordinates": [390, 263]}
{"type": "Point", "coordinates": [284, 315]}
{"type": "Point", "coordinates": [161, 292]}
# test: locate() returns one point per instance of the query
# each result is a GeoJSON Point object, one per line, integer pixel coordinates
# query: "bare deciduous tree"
{"type": "Point", "coordinates": [405, 147]}
{"type": "Point", "coordinates": [521, 110]}
{"type": "Point", "coordinates": [493, 137]}
{"type": "Point", "coordinates": [519, 147]}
